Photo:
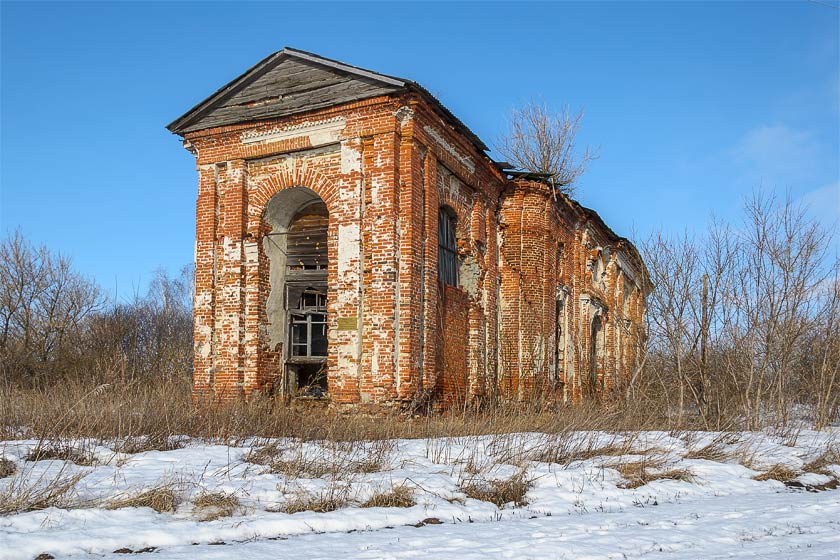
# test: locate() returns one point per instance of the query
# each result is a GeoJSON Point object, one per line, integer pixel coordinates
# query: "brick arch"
{"type": "Point", "coordinates": [300, 177]}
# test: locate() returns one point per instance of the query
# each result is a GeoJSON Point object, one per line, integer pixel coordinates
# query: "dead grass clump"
{"type": "Point", "coordinates": [7, 467]}
{"type": "Point", "coordinates": [210, 506]}
{"type": "Point", "coordinates": [779, 472]}
{"type": "Point", "coordinates": [397, 497]}
{"type": "Point", "coordinates": [329, 459]}
{"type": "Point", "coordinates": [332, 498]}
{"type": "Point", "coordinates": [646, 477]}
{"type": "Point", "coordinates": [712, 452]}
{"type": "Point", "coordinates": [639, 473]}
{"type": "Point", "coordinates": [61, 451]}
{"type": "Point", "coordinates": [153, 442]}
{"type": "Point", "coordinates": [24, 493]}
{"type": "Point", "coordinates": [363, 456]}
{"type": "Point", "coordinates": [162, 499]}
{"type": "Point", "coordinates": [830, 456]}
{"type": "Point", "coordinates": [264, 455]}
{"type": "Point", "coordinates": [499, 492]}
{"type": "Point", "coordinates": [303, 467]}
{"type": "Point", "coordinates": [564, 453]}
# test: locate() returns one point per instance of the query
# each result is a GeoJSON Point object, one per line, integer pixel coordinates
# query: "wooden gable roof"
{"type": "Point", "coordinates": [291, 81]}
{"type": "Point", "coordinates": [285, 83]}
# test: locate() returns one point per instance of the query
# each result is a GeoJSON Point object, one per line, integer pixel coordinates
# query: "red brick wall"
{"type": "Point", "coordinates": [384, 167]}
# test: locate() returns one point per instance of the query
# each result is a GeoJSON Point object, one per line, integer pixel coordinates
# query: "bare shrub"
{"type": "Point", "coordinates": [499, 492]}
{"type": "Point", "coordinates": [214, 505]}
{"type": "Point", "coordinates": [396, 497]}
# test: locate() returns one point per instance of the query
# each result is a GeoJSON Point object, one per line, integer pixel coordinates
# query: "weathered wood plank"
{"type": "Point", "coordinates": [293, 86]}
{"type": "Point", "coordinates": [335, 94]}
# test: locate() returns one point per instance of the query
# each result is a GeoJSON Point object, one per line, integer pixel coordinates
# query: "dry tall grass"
{"type": "Point", "coordinates": [138, 416]}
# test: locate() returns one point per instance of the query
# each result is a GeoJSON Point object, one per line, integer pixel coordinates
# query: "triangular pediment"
{"type": "Point", "coordinates": [285, 83]}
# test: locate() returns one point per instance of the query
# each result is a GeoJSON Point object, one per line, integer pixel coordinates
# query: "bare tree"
{"type": "Point", "coordinates": [540, 140]}
{"type": "Point", "coordinates": [744, 320]}
{"type": "Point", "coordinates": [43, 304]}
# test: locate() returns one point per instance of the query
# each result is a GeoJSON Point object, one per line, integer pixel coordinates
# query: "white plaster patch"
{"type": "Point", "coordinates": [203, 350]}
{"type": "Point", "coordinates": [404, 115]}
{"type": "Point", "coordinates": [252, 252]}
{"type": "Point", "coordinates": [319, 132]}
{"type": "Point", "coordinates": [348, 249]}
{"type": "Point", "coordinates": [466, 161]}
{"type": "Point", "coordinates": [203, 299]}
{"type": "Point", "coordinates": [351, 160]}
{"type": "Point", "coordinates": [231, 249]}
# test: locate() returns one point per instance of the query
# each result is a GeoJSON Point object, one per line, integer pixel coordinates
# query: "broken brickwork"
{"type": "Point", "coordinates": [321, 192]}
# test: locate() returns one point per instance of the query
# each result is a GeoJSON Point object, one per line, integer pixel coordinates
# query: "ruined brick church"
{"type": "Point", "coordinates": [354, 242]}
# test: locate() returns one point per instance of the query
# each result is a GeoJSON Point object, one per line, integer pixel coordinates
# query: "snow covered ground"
{"type": "Point", "coordinates": [589, 495]}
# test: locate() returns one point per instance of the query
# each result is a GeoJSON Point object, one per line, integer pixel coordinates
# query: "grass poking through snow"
{"type": "Point", "coordinates": [398, 496]}
{"type": "Point", "coordinates": [162, 499]}
{"type": "Point", "coordinates": [210, 506]}
{"type": "Point", "coordinates": [779, 472]}
{"type": "Point", "coordinates": [499, 492]}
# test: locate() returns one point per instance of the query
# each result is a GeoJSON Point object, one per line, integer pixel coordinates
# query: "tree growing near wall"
{"type": "Point", "coordinates": [541, 140]}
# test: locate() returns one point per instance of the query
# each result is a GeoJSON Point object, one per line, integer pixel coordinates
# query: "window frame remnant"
{"type": "Point", "coordinates": [311, 310]}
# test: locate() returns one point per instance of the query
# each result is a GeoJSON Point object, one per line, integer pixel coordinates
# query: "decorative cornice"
{"type": "Point", "coordinates": [320, 132]}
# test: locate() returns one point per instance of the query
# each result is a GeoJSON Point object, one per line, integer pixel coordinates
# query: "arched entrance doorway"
{"type": "Point", "coordinates": [296, 306]}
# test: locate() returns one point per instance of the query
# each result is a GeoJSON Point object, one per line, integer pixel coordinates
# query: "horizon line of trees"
{"type": "Point", "coordinates": [56, 324]}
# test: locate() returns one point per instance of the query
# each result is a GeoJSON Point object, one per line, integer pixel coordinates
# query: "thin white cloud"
{"type": "Point", "coordinates": [777, 155]}
{"type": "Point", "coordinates": [824, 203]}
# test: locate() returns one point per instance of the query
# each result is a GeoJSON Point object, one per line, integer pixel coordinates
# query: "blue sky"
{"type": "Point", "coordinates": [691, 105]}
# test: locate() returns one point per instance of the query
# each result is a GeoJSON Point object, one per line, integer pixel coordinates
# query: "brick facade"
{"type": "Point", "coordinates": [547, 299]}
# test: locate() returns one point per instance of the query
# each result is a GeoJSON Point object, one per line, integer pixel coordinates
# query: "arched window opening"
{"type": "Point", "coordinates": [296, 305]}
{"type": "Point", "coordinates": [447, 246]}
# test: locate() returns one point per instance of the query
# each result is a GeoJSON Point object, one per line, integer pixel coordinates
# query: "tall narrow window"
{"type": "Point", "coordinates": [447, 248]}
{"type": "Point", "coordinates": [560, 339]}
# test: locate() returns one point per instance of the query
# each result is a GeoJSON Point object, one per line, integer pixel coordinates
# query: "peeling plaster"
{"type": "Point", "coordinates": [351, 160]}
{"type": "Point", "coordinates": [466, 161]}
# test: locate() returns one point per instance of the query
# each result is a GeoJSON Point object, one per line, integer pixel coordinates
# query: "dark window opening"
{"type": "Point", "coordinates": [447, 247]}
